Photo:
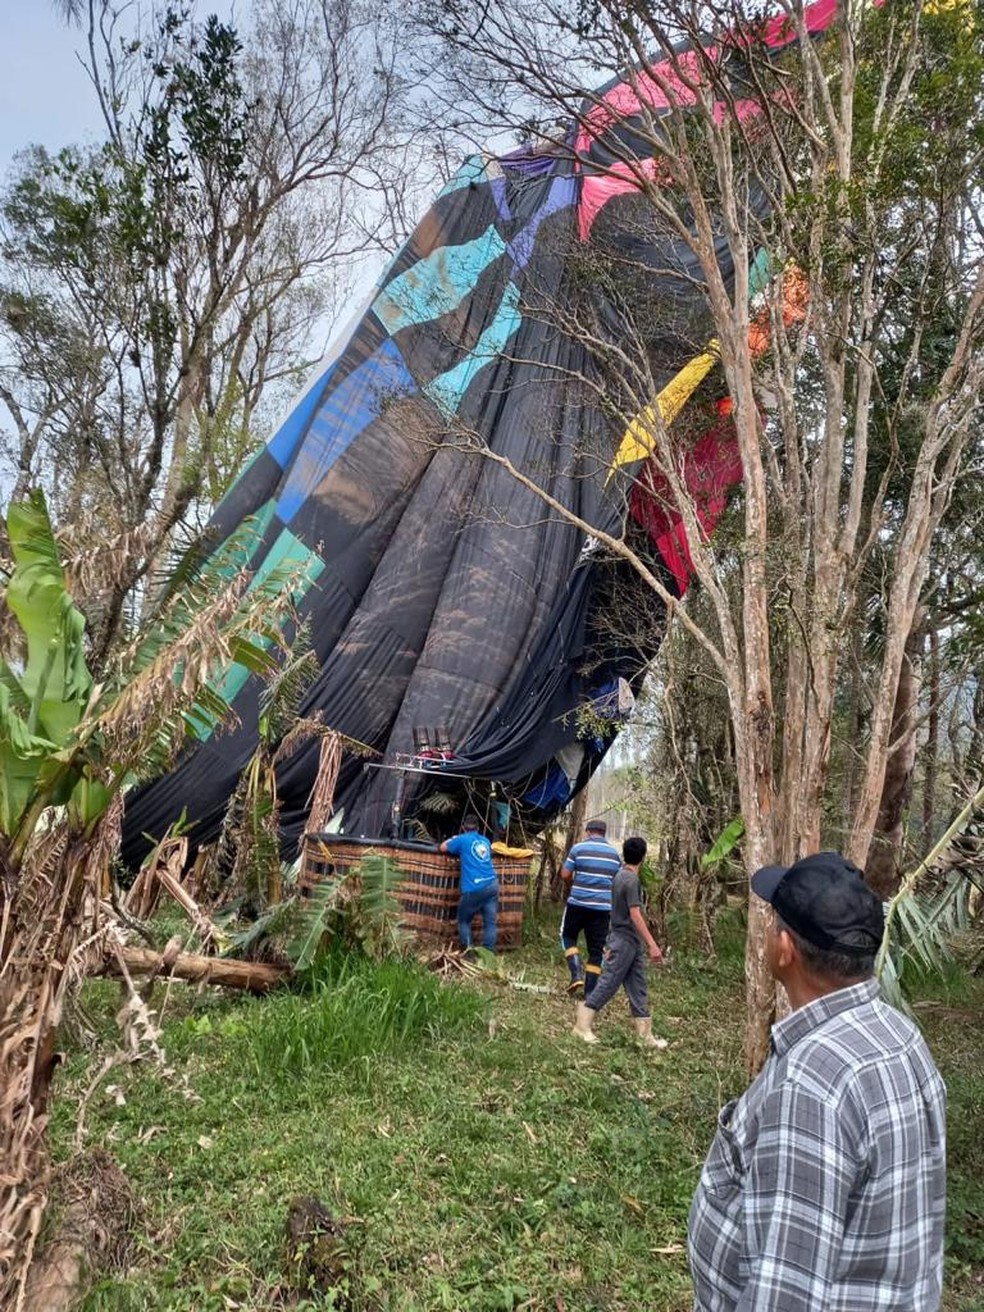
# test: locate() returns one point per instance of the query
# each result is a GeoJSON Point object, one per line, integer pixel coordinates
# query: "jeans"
{"type": "Point", "coordinates": [484, 902]}
{"type": "Point", "coordinates": [624, 965]}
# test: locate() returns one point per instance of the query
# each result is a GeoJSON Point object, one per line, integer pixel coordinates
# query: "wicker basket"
{"type": "Point", "coordinates": [428, 892]}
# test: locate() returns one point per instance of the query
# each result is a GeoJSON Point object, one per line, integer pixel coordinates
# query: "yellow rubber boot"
{"type": "Point", "coordinates": [592, 974]}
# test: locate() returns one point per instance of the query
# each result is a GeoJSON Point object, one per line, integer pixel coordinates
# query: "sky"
{"type": "Point", "coordinates": [45, 96]}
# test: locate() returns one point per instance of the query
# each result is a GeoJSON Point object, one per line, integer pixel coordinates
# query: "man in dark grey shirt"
{"type": "Point", "coordinates": [624, 958]}
{"type": "Point", "coordinates": [825, 1185]}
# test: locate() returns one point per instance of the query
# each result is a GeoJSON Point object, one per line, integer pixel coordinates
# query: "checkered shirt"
{"type": "Point", "coordinates": [824, 1188]}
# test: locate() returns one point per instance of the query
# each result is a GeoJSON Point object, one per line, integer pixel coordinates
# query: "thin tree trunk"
{"type": "Point", "coordinates": [579, 812]}
{"type": "Point", "coordinates": [885, 853]}
{"type": "Point", "coordinates": [932, 748]}
{"type": "Point", "coordinates": [974, 761]}
{"type": "Point", "coordinates": [760, 988]}
{"type": "Point", "coordinates": [856, 725]}
{"type": "Point", "coordinates": [754, 746]}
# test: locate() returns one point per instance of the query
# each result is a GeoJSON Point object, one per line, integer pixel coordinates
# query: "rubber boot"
{"type": "Point", "coordinates": [643, 1026]}
{"type": "Point", "coordinates": [577, 971]}
{"type": "Point", "coordinates": [584, 1022]}
{"type": "Point", "coordinates": [592, 975]}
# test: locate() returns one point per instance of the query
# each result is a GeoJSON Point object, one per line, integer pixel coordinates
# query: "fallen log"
{"type": "Point", "coordinates": [256, 976]}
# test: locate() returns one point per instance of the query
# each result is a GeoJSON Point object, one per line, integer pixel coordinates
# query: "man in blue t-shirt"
{"type": "Point", "coordinates": [590, 866]}
{"type": "Point", "coordinates": [479, 886]}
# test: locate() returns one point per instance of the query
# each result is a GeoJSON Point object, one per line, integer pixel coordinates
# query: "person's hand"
{"type": "Point", "coordinates": [655, 953]}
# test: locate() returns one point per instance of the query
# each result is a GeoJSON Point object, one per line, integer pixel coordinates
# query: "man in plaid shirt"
{"type": "Point", "coordinates": [824, 1189]}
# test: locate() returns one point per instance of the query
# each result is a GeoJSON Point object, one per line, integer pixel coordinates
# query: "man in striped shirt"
{"type": "Point", "coordinates": [824, 1189]}
{"type": "Point", "coordinates": [590, 867]}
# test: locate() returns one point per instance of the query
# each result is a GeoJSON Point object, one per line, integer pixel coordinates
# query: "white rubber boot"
{"type": "Point", "coordinates": [644, 1033]}
{"type": "Point", "coordinates": [584, 1022]}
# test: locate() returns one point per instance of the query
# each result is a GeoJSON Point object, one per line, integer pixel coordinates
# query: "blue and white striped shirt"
{"type": "Point", "coordinates": [594, 864]}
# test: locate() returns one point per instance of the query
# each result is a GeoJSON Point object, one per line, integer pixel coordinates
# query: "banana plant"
{"type": "Point", "coordinates": [45, 691]}
{"type": "Point", "coordinates": [66, 741]}
{"type": "Point", "coordinates": [68, 747]}
{"type": "Point", "coordinates": [724, 844]}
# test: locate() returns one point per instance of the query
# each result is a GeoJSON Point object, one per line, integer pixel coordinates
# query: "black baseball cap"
{"type": "Point", "coordinates": [596, 827]}
{"type": "Point", "coordinates": [824, 898]}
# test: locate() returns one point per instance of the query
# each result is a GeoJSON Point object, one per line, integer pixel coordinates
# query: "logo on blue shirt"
{"type": "Point", "coordinates": [475, 854]}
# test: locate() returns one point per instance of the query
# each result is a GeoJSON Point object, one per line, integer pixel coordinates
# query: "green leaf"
{"type": "Point", "coordinates": [22, 754]}
{"type": "Point", "coordinates": [317, 908]}
{"type": "Point", "coordinates": [19, 701]}
{"type": "Point", "coordinates": [254, 657]}
{"type": "Point", "coordinates": [89, 800]}
{"type": "Point", "coordinates": [55, 680]}
{"type": "Point", "coordinates": [724, 843]}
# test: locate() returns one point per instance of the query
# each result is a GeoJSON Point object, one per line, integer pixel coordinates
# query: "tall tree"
{"type": "Point", "coordinates": [159, 292]}
{"type": "Point", "coordinates": [853, 163]}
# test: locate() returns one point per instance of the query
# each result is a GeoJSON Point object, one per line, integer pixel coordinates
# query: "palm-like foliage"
{"type": "Point", "coordinates": [248, 851]}
{"type": "Point", "coordinates": [933, 905]}
{"type": "Point", "coordinates": [357, 911]}
{"type": "Point", "coordinates": [377, 925]}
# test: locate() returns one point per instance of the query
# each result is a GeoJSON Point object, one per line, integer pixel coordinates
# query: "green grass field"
{"type": "Point", "coordinates": [481, 1157]}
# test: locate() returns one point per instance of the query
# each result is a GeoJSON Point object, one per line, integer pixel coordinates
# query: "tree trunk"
{"type": "Point", "coordinates": [885, 855]}
{"type": "Point", "coordinates": [931, 751]}
{"type": "Point", "coordinates": [760, 987]}
{"type": "Point", "coordinates": [40, 928]}
{"type": "Point", "coordinates": [974, 762]}
{"type": "Point", "coordinates": [579, 812]}
{"type": "Point", "coordinates": [754, 744]}
{"type": "Point", "coordinates": [96, 1211]}
{"type": "Point", "coordinates": [855, 717]}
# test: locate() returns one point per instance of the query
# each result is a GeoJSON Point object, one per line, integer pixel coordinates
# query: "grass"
{"type": "Point", "coordinates": [351, 1009]}
{"type": "Point", "coordinates": [951, 1013]}
{"type": "Point", "coordinates": [482, 1158]}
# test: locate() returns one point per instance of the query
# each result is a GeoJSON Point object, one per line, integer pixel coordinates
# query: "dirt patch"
{"type": "Point", "coordinates": [94, 1215]}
